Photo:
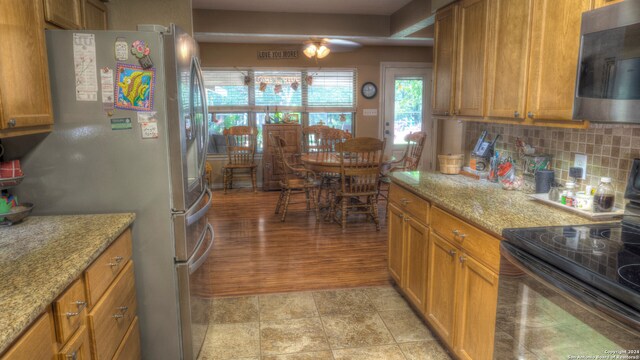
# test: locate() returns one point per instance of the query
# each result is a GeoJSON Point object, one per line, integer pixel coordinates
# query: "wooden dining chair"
{"type": "Point", "coordinates": [360, 161]}
{"type": "Point", "coordinates": [409, 161]}
{"type": "Point", "coordinates": [293, 180]}
{"type": "Point", "coordinates": [241, 150]}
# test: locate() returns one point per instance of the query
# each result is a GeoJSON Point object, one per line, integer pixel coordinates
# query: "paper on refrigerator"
{"type": "Point", "coordinates": [84, 62]}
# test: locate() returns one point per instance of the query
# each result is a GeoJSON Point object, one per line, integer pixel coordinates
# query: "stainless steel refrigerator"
{"type": "Point", "coordinates": [144, 155]}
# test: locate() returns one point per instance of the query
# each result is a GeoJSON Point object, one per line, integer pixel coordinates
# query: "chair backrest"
{"type": "Point", "coordinates": [321, 138]}
{"type": "Point", "coordinates": [360, 161]}
{"type": "Point", "coordinates": [241, 144]}
{"type": "Point", "coordinates": [415, 144]}
{"type": "Point", "coordinates": [283, 168]}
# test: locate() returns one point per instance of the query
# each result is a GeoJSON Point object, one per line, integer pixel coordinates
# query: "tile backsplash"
{"type": "Point", "coordinates": [610, 149]}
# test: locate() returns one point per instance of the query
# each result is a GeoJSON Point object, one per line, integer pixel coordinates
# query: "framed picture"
{"type": "Point", "coordinates": [293, 118]}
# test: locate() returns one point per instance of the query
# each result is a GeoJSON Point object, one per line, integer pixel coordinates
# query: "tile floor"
{"type": "Point", "coordinates": [351, 324]}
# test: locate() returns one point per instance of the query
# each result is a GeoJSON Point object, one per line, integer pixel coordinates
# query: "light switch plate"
{"type": "Point", "coordinates": [370, 112]}
{"type": "Point", "coordinates": [581, 162]}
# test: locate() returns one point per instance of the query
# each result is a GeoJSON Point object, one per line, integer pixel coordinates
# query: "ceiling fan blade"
{"type": "Point", "coordinates": [341, 45]}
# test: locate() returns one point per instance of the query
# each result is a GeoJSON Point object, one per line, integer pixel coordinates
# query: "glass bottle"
{"type": "Point", "coordinates": [554, 193]}
{"type": "Point", "coordinates": [605, 196]}
{"type": "Point", "coordinates": [571, 196]}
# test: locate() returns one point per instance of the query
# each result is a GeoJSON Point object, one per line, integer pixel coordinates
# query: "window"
{"type": "Point", "coordinates": [249, 97]}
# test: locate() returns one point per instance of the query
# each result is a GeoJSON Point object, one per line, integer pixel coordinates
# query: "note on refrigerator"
{"type": "Point", "coordinates": [84, 61]}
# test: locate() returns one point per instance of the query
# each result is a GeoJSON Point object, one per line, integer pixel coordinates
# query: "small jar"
{"type": "Point", "coordinates": [570, 198]}
{"type": "Point", "coordinates": [554, 193]}
{"type": "Point", "coordinates": [605, 196]}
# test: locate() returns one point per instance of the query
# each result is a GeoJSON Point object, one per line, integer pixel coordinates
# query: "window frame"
{"type": "Point", "coordinates": [304, 109]}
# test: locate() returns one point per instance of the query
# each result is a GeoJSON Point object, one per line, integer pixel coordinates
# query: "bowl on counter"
{"type": "Point", "coordinates": [17, 214]}
{"type": "Point", "coordinates": [10, 182]}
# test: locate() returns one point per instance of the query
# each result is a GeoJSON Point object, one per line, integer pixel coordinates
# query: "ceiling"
{"type": "Point", "coordinates": [361, 7]}
{"type": "Point", "coordinates": [210, 26]}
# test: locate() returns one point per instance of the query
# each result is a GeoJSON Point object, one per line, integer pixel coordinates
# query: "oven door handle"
{"type": "Point", "coordinates": [577, 290]}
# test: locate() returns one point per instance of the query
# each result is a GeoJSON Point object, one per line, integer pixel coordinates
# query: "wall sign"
{"type": "Point", "coordinates": [277, 54]}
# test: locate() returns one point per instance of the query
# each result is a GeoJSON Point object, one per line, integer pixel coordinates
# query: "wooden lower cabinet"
{"type": "Point", "coordinates": [395, 225]}
{"type": "Point", "coordinates": [476, 301]}
{"type": "Point", "coordinates": [129, 349]}
{"type": "Point", "coordinates": [417, 242]}
{"type": "Point", "coordinates": [78, 348]}
{"type": "Point", "coordinates": [441, 291]}
{"type": "Point", "coordinates": [36, 343]}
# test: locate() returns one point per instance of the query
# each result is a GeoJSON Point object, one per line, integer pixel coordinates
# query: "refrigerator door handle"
{"type": "Point", "coordinates": [205, 131]}
{"type": "Point", "coordinates": [191, 218]}
{"type": "Point", "coordinates": [196, 263]}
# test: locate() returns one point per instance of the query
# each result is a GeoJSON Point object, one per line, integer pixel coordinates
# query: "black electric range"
{"type": "Point", "coordinates": [604, 256]}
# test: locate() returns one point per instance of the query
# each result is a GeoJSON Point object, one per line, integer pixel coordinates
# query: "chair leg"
{"type": "Point", "coordinates": [279, 203]}
{"type": "Point", "coordinates": [225, 180]}
{"type": "Point", "coordinates": [345, 199]}
{"type": "Point", "coordinates": [253, 179]}
{"type": "Point", "coordinates": [286, 204]}
{"type": "Point", "coordinates": [306, 195]}
{"type": "Point", "coordinates": [314, 202]}
{"type": "Point", "coordinates": [230, 178]}
{"type": "Point", "coordinates": [373, 200]}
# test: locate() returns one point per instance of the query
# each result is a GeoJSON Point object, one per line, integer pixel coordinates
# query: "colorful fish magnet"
{"type": "Point", "coordinates": [141, 51]}
{"type": "Point", "coordinates": [134, 87]}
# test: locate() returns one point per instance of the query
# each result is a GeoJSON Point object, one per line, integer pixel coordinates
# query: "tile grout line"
{"type": "Point", "coordinates": [259, 328]}
{"type": "Point", "coordinates": [385, 325]}
{"type": "Point", "coordinates": [324, 330]}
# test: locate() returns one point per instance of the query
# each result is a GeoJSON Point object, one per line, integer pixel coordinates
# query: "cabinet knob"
{"type": "Point", "coordinates": [446, 113]}
{"type": "Point", "coordinates": [407, 218]}
{"type": "Point", "coordinates": [81, 305]}
{"type": "Point", "coordinates": [463, 259]}
{"type": "Point", "coordinates": [72, 356]}
{"type": "Point", "coordinates": [516, 114]}
{"type": "Point", "coordinates": [12, 123]}
{"type": "Point", "coordinates": [530, 114]}
{"type": "Point", "coordinates": [452, 253]}
{"type": "Point", "coordinates": [457, 233]}
{"type": "Point", "coordinates": [116, 261]}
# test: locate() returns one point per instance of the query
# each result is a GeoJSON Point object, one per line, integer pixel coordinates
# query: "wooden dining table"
{"type": "Point", "coordinates": [329, 162]}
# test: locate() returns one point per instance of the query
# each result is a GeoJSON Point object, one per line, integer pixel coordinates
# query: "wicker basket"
{"type": "Point", "coordinates": [451, 164]}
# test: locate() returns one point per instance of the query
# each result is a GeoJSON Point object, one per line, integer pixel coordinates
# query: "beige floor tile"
{"type": "Point", "coordinates": [505, 348]}
{"type": "Point", "coordinates": [387, 352]}
{"type": "Point", "coordinates": [292, 336]}
{"type": "Point", "coordinates": [386, 298]}
{"type": "Point", "coordinates": [357, 330]}
{"type": "Point", "coordinates": [342, 302]}
{"type": "Point", "coordinates": [424, 350]}
{"type": "Point", "coordinates": [287, 306]}
{"type": "Point", "coordinates": [405, 326]}
{"type": "Point", "coordinates": [315, 355]}
{"type": "Point", "coordinates": [234, 310]}
{"type": "Point", "coordinates": [231, 341]}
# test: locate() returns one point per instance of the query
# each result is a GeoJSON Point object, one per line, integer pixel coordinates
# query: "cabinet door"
{"type": "Point", "coordinates": [477, 291]}
{"type": "Point", "coordinates": [441, 291]}
{"type": "Point", "coordinates": [417, 244]}
{"type": "Point", "coordinates": [470, 74]}
{"type": "Point", "coordinates": [396, 243]}
{"type": "Point", "coordinates": [554, 58]}
{"type": "Point", "coordinates": [25, 95]}
{"type": "Point", "coordinates": [78, 347]}
{"type": "Point", "coordinates": [36, 343]}
{"type": "Point", "coordinates": [445, 29]}
{"type": "Point", "coordinates": [66, 14]}
{"type": "Point", "coordinates": [508, 57]}
{"type": "Point", "coordinates": [95, 15]}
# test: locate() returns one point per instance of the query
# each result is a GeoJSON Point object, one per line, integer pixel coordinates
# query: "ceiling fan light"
{"type": "Point", "coordinates": [323, 51]}
{"type": "Point", "coordinates": [310, 50]}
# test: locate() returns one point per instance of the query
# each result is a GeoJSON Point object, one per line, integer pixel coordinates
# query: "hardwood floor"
{"type": "Point", "coordinates": [255, 253]}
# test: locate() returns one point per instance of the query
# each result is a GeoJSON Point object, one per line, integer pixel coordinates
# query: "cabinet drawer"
{"type": "Point", "coordinates": [36, 343]}
{"type": "Point", "coordinates": [101, 272]}
{"type": "Point", "coordinates": [78, 348]}
{"type": "Point", "coordinates": [130, 347]}
{"type": "Point", "coordinates": [474, 241]}
{"type": "Point", "coordinates": [68, 311]}
{"type": "Point", "coordinates": [110, 318]}
{"type": "Point", "coordinates": [410, 203]}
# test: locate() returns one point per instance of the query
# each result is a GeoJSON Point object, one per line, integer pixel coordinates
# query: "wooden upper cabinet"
{"type": "Point", "coordinates": [25, 95]}
{"type": "Point", "coordinates": [554, 55]}
{"type": "Point", "coordinates": [470, 73]}
{"type": "Point", "coordinates": [445, 33]}
{"type": "Point", "coordinates": [95, 15]}
{"type": "Point", "coordinates": [66, 14]}
{"type": "Point", "coordinates": [508, 58]}
{"type": "Point", "coordinates": [601, 3]}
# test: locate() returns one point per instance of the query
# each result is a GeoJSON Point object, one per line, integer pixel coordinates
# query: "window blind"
{"type": "Point", "coordinates": [331, 90]}
{"type": "Point", "coordinates": [226, 87]}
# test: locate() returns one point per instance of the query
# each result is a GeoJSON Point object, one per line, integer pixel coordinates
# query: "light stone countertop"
{"type": "Point", "coordinates": [43, 255]}
{"type": "Point", "coordinates": [483, 203]}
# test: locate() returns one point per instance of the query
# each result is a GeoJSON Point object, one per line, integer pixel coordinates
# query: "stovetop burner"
{"type": "Point", "coordinates": [631, 274]}
{"type": "Point", "coordinates": [605, 256]}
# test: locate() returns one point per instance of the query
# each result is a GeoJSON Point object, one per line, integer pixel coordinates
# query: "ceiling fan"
{"type": "Point", "coordinates": [320, 48]}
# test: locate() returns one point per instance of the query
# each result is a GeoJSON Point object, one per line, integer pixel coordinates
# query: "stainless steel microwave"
{"type": "Point", "coordinates": [608, 81]}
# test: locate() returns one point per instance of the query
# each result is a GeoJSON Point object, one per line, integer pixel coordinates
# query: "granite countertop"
{"type": "Point", "coordinates": [43, 255]}
{"type": "Point", "coordinates": [483, 203]}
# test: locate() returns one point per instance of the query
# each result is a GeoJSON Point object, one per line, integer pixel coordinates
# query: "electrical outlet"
{"type": "Point", "coordinates": [581, 162]}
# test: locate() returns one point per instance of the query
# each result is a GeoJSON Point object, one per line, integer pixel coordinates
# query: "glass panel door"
{"type": "Point", "coordinates": [195, 131]}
